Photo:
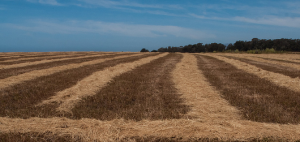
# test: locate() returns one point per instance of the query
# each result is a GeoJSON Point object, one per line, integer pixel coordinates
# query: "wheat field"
{"type": "Point", "coordinates": [129, 96]}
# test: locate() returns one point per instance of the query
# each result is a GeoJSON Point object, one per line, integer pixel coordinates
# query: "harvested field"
{"type": "Point", "coordinates": [23, 60]}
{"type": "Point", "coordinates": [150, 97]}
{"type": "Point", "coordinates": [30, 93]}
{"type": "Point", "coordinates": [18, 69]}
{"type": "Point", "coordinates": [288, 71]}
{"type": "Point", "coordinates": [258, 99]}
{"type": "Point", "coordinates": [144, 93]}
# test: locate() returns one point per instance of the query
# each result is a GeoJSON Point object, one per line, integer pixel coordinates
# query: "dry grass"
{"type": "Point", "coordinates": [288, 71]}
{"type": "Point", "coordinates": [18, 65]}
{"type": "Point", "coordinates": [13, 80]}
{"type": "Point", "coordinates": [206, 103]}
{"type": "Point", "coordinates": [258, 99]}
{"type": "Point", "coordinates": [28, 55]}
{"type": "Point", "coordinates": [90, 85]}
{"type": "Point", "coordinates": [5, 73]}
{"type": "Point", "coordinates": [276, 78]}
{"type": "Point", "coordinates": [27, 95]}
{"type": "Point", "coordinates": [286, 62]}
{"type": "Point", "coordinates": [198, 128]}
{"type": "Point", "coordinates": [23, 60]}
{"type": "Point", "coordinates": [146, 92]}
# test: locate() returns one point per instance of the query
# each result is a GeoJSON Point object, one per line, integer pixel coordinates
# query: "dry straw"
{"type": "Point", "coordinates": [44, 72]}
{"type": "Point", "coordinates": [45, 61]}
{"type": "Point", "coordinates": [40, 57]}
{"type": "Point", "coordinates": [276, 78]}
{"type": "Point", "coordinates": [207, 121]}
{"type": "Point", "coordinates": [254, 58]}
{"type": "Point", "coordinates": [92, 84]}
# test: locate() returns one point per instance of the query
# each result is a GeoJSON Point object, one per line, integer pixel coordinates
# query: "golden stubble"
{"type": "Point", "coordinates": [48, 61]}
{"type": "Point", "coordinates": [204, 121]}
{"type": "Point", "coordinates": [92, 84]}
{"type": "Point", "coordinates": [276, 78]}
{"type": "Point", "coordinates": [254, 58]}
{"type": "Point", "coordinates": [13, 80]}
{"type": "Point", "coordinates": [41, 58]}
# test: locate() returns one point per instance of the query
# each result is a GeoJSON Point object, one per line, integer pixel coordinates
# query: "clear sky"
{"type": "Point", "coordinates": [130, 25]}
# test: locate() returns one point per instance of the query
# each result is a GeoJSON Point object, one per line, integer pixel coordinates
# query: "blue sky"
{"type": "Point", "coordinates": [130, 25]}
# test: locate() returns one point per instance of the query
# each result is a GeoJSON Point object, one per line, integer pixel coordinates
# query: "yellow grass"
{"type": "Point", "coordinates": [206, 120]}
{"type": "Point", "coordinates": [254, 58]}
{"type": "Point", "coordinates": [46, 61]}
{"type": "Point", "coordinates": [93, 83]}
{"type": "Point", "coordinates": [13, 80]}
{"type": "Point", "coordinates": [21, 59]}
{"type": "Point", "coordinates": [276, 78]}
{"type": "Point", "coordinates": [207, 104]}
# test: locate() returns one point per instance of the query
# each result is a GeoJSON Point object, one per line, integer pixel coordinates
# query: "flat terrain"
{"type": "Point", "coordinates": [128, 96]}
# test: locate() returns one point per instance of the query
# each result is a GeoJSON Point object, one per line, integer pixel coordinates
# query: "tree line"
{"type": "Point", "coordinates": [255, 44]}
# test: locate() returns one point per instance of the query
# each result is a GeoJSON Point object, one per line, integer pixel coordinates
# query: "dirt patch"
{"type": "Point", "coordinates": [27, 67]}
{"type": "Point", "coordinates": [258, 99]}
{"type": "Point", "coordinates": [288, 71]}
{"type": "Point", "coordinates": [146, 92]}
{"type": "Point", "coordinates": [20, 100]}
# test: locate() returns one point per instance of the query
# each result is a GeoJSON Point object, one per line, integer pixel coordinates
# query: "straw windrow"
{"type": "Point", "coordinates": [13, 80]}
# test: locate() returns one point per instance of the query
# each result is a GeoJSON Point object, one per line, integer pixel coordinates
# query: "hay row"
{"type": "Point", "coordinates": [207, 104]}
{"type": "Point", "coordinates": [276, 78]}
{"type": "Point", "coordinates": [17, 71]}
{"type": "Point", "coordinates": [44, 61]}
{"type": "Point", "coordinates": [25, 96]}
{"type": "Point", "coordinates": [287, 57]}
{"type": "Point", "coordinates": [292, 65]}
{"type": "Point", "coordinates": [91, 129]}
{"type": "Point", "coordinates": [41, 58]}
{"type": "Point", "coordinates": [30, 55]}
{"type": "Point", "coordinates": [44, 72]}
{"type": "Point", "coordinates": [93, 83]}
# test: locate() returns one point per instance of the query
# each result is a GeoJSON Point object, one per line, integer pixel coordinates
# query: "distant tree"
{"type": "Point", "coordinates": [154, 51]}
{"type": "Point", "coordinates": [144, 50]}
{"type": "Point", "coordinates": [230, 47]}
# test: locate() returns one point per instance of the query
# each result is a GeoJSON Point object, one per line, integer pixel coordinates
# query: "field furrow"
{"type": "Point", "coordinates": [272, 67]}
{"type": "Point", "coordinates": [287, 63]}
{"type": "Point", "coordinates": [13, 80]}
{"type": "Point", "coordinates": [23, 60]}
{"type": "Point", "coordinates": [18, 65]}
{"type": "Point", "coordinates": [206, 120]}
{"type": "Point", "coordinates": [146, 92]}
{"type": "Point", "coordinates": [25, 96]}
{"type": "Point", "coordinates": [258, 99]}
{"type": "Point", "coordinates": [276, 78]}
{"type": "Point", "coordinates": [27, 56]}
{"type": "Point", "coordinates": [28, 67]}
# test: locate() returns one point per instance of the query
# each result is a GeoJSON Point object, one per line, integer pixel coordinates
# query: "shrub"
{"type": "Point", "coordinates": [144, 50]}
{"type": "Point", "coordinates": [272, 50]}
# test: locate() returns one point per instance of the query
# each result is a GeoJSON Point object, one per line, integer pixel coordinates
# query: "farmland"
{"type": "Point", "coordinates": [127, 96]}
